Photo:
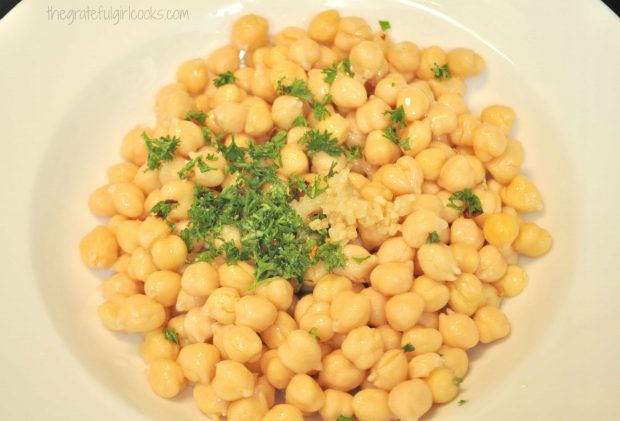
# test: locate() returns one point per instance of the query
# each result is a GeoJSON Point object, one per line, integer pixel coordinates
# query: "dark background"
{"type": "Point", "coordinates": [7, 5]}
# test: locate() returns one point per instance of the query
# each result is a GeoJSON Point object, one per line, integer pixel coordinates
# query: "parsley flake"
{"type": "Point", "coordinates": [315, 334]}
{"type": "Point", "coordinates": [225, 78]}
{"type": "Point", "coordinates": [318, 108]}
{"type": "Point", "coordinates": [346, 67]}
{"type": "Point", "coordinates": [352, 152]}
{"type": "Point", "coordinates": [343, 418]}
{"type": "Point", "coordinates": [385, 25]}
{"type": "Point", "coordinates": [360, 260]}
{"type": "Point", "coordinates": [197, 162]}
{"type": "Point", "coordinates": [298, 88]}
{"type": "Point", "coordinates": [433, 237]}
{"type": "Point", "coordinates": [470, 205]}
{"type": "Point", "coordinates": [457, 381]}
{"type": "Point", "coordinates": [162, 209]}
{"type": "Point", "coordinates": [441, 72]}
{"type": "Point", "coordinates": [159, 150]}
{"type": "Point", "coordinates": [320, 142]}
{"type": "Point", "coordinates": [330, 73]}
{"type": "Point", "coordinates": [408, 348]}
{"type": "Point", "coordinates": [197, 117]}
{"type": "Point", "coordinates": [171, 335]}
{"type": "Point", "coordinates": [300, 121]}
{"type": "Point", "coordinates": [462, 402]}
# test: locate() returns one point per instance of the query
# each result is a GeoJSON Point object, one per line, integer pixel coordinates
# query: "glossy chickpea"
{"type": "Point", "coordinates": [506, 167]}
{"type": "Point", "coordinates": [242, 344]}
{"type": "Point", "coordinates": [492, 264]}
{"type": "Point", "coordinates": [390, 370]}
{"type": "Point", "coordinates": [492, 324]}
{"type": "Point", "coordinates": [294, 161]}
{"type": "Point", "coordinates": [197, 325]}
{"type": "Point", "coordinates": [285, 110]}
{"type": "Point", "coordinates": [169, 253]}
{"type": "Point", "coordinates": [403, 311]}
{"type": "Point", "coordinates": [239, 276]}
{"type": "Point", "coordinates": [198, 362]}
{"type": "Point", "coordinates": [513, 282]}
{"type": "Point", "coordinates": [255, 312]}
{"type": "Point", "coordinates": [276, 373]}
{"type": "Point", "coordinates": [489, 142]}
{"type": "Point", "coordinates": [300, 352]}
{"type": "Point", "coordinates": [232, 381]}
{"type": "Point", "coordinates": [437, 262]}
{"type": "Point", "coordinates": [410, 400]}
{"type": "Point", "coordinates": [466, 294]}
{"type": "Point", "coordinates": [277, 290]}
{"type": "Point", "coordinates": [100, 203]}
{"type": "Point", "coordinates": [119, 284]}
{"type": "Point", "coordinates": [395, 249]}
{"type": "Point", "coordinates": [442, 385]}
{"type": "Point", "coordinates": [322, 163]}
{"type": "Point", "coordinates": [464, 62]}
{"type": "Point", "coordinates": [141, 264]}
{"type": "Point", "coordinates": [166, 378]}
{"type": "Point", "coordinates": [419, 225]}
{"type": "Point", "coordinates": [155, 346]}
{"type": "Point", "coordinates": [455, 359]}
{"type": "Point", "coordinates": [339, 373]}
{"type": "Point", "coordinates": [371, 116]}
{"type": "Point", "coordinates": [348, 92]}
{"type": "Point", "coordinates": [423, 339]}
{"type": "Point", "coordinates": [349, 310]}
{"type": "Point", "coordinates": [250, 32]}
{"type": "Point", "coordinates": [282, 412]}
{"type": "Point", "coordinates": [500, 229]}
{"type": "Point", "coordinates": [392, 278]}
{"type": "Point", "coordinates": [304, 393]}
{"type": "Point", "coordinates": [139, 313]}
{"type": "Point", "coordinates": [415, 103]}
{"type": "Point", "coordinates": [533, 240]}
{"type": "Point", "coordinates": [457, 173]}
{"type": "Point", "coordinates": [367, 339]}
{"type": "Point", "coordinates": [199, 279]}
{"type": "Point", "coordinates": [276, 334]}
{"type": "Point", "coordinates": [466, 256]}
{"type": "Point", "coordinates": [172, 101]}
{"type": "Point", "coordinates": [359, 263]}
{"type": "Point", "coordinates": [133, 148]}
{"type": "Point", "coordinates": [208, 402]}
{"type": "Point", "coordinates": [371, 405]}
{"type": "Point", "coordinates": [163, 286]}
{"type": "Point", "coordinates": [466, 231]}
{"type": "Point", "coordinates": [434, 293]}
{"type": "Point", "coordinates": [388, 88]}
{"type": "Point", "coordinates": [337, 404]}
{"type": "Point", "coordinates": [379, 150]}
{"type": "Point", "coordinates": [99, 248]}
{"type": "Point", "coordinates": [221, 305]}
{"type": "Point", "coordinates": [324, 26]}
{"type": "Point", "coordinates": [186, 302]}
{"type": "Point", "coordinates": [127, 235]}
{"type": "Point", "coordinates": [150, 230]}
{"type": "Point", "coordinates": [366, 59]}
{"type": "Point", "coordinates": [335, 124]}
{"type": "Point", "coordinates": [377, 306]}
{"type": "Point", "coordinates": [351, 31]}
{"type": "Point", "coordinates": [327, 287]}
{"type": "Point", "coordinates": [423, 364]}
{"type": "Point", "coordinates": [428, 58]}
{"type": "Point", "coordinates": [498, 115]}
{"type": "Point", "coordinates": [458, 330]}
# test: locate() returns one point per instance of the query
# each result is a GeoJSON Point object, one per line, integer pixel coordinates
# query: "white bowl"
{"type": "Point", "coordinates": [75, 90]}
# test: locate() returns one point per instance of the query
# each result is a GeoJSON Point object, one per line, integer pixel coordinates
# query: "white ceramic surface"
{"type": "Point", "coordinates": [69, 92]}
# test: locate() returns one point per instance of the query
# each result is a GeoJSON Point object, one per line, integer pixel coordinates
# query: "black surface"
{"type": "Point", "coordinates": [6, 6]}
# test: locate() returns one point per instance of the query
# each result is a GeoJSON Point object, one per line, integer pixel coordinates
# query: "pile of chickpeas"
{"type": "Point", "coordinates": [384, 337]}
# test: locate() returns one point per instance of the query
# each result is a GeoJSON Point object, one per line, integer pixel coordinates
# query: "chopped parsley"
{"type": "Point", "coordinates": [171, 335]}
{"type": "Point", "coordinates": [197, 162]}
{"type": "Point", "coordinates": [272, 235]}
{"type": "Point", "coordinates": [441, 72]}
{"type": "Point", "coordinates": [312, 190]}
{"type": "Point", "coordinates": [343, 418]}
{"type": "Point", "coordinates": [457, 381]}
{"type": "Point", "coordinates": [318, 108]}
{"type": "Point", "coordinates": [352, 152]}
{"type": "Point", "coordinates": [225, 78]}
{"type": "Point", "coordinates": [408, 348]}
{"type": "Point", "coordinates": [462, 402]}
{"type": "Point", "coordinates": [197, 117]}
{"type": "Point", "coordinates": [298, 88]}
{"type": "Point", "coordinates": [331, 72]}
{"type": "Point", "coordinates": [315, 334]}
{"type": "Point", "coordinates": [360, 260]}
{"type": "Point", "coordinates": [159, 150]}
{"type": "Point", "coordinates": [162, 209]}
{"type": "Point", "coordinates": [469, 204]}
{"type": "Point", "coordinates": [300, 121]}
{"type": "Point", "coordinates": [397, 122]}
{"type": "Point", "coordinates": [433, 237]}
{"type": "Point", "coordinates": [320, 142]}
{"type": "Point", "coordinates": [346, 67]}
{"type": "Point", "coordinates": [385, 25]}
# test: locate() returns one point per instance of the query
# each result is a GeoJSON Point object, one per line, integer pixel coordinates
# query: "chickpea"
{"type": "Point", "coordinates": [177, 324]}
{"type": "Point", "coordinates": [500, 229]}
{"type": "Point", "coordinates": [372, 405]}
{"type": "Point", "coordinates": [455, 102]}
{"type": "Point", "coordinates": [304, 52]}
{"type": "Point", "coordinates": [404, 56]}
{"type": "Point", "coordinates": [442, 385]}
{"type": "Point", "coordinates": [390, 370]}
{"type": "Point", "coordinates": [466, 294]}
{"type": "Point", "coordinates": [392, 278]}
{"type": "Point", "coordinates": [456, 360]}
{"type": "Point", "coordinates": [231, 117]}
{"type": "Point", "coordinates": [458, 330]}
{"type": "Point", "coordinates": [246, 409]}
{"type": "Point", "coordinates": [242, 344]}
{"type": "Point", "coordinates": [365, 338]}
{"type": "Point", "coordinates": [443, 119]}
{"type": "Point", "coordinates": [166, 378]}
{"type": "Point", "coordinates": [303, 305]}
{"type": "Point", "coordinates": [388, 88]}
{"type": "Point", "coordinates": [371, 116]}
{"type": "Point", "coordinates": [435, 294]}
{"type": "Point", "coordinates": [322, 163]}
{"type": "Point", "coordinates": [199, 279]}
{"type": "Point", "coordinates": [428, 58]}
{"type": "Point", "coordinates": [277, 374]}
{"type": "Point", "coordinates": [258, 120]}
{"type": "Point", "coordinates": [466, 231]}
{"type": "Point", "coordinates": [169, 253]}
{"type": "Point", "coordinates": [300, 352]}
{"type": "Point", "coordinates": [250, 32]}
{"type": "Point", "coordinates": [351, 31]}
{"type": "Point", "coordinates": [358, 265]}
{"type": "Point", "coordinates": [419, 225]}
{"type": "Point", "coordinates": [492, 324]}
{"type": "Point", "coordinates": [395, 249]}
{"type": "Point", "coordinates": [150, 230]}
{"type": "Point", "coordinates": [148, 182]}
{"type": "Point", "coordinates": [169, 171]}
{"type": "Point", "coordinates": [337, 404]}
{"type": "Point", "coordinates": [513, 282]}
{"type": "Point", "coordinates": [423, 364]}
{"type": "Point", "coordinates": [324, 26]}
{"type": "Point", "coordinates": [423, 339]}
{"type": "Point", "coordinates": [340, 373]}
{"type": "Point", "coordinates": [108, 313]}
{"type": "Point", "coordinates": [294, 161]}
{"type": "Point", "coordinates": [379, 150]}
{"type": "Point", "coordinates": [304, 393]}
{"type": "Point", "coordinates": [457, 174]}
{"type": "Point", "coordinates": [98, 248]}
{"type": "Point", "coordinates": [208, 402]}
{"type": "Point", "coordinates": [139, 313]}
{"type": "Point", "coordinates": [186, 302]}
{"type": "Point", "coordinates": [239, 276]}
{"type": "Point", "coordinates": [283, 412]}
{"type": "Point", "coordinates": [198, 362]}
{"type": "Point", "coordinates": [141, 265]}
{"type": "Point", "coordinates": [377, 306]}
{"type": "Point", "coordinates": [506, 167]}
{"type": "Point", "coordinates": [122, 264]}
{"type": "Point", "coordinates": [122, 173]}
{"type": "Point", "coordinates": [255, 312]}
{"type": "Point", "coordinates": [430, 320]}
{"type": "Point", "coordinates": [277, 290]}
{"type": "Point", "coordinates": [232, 381]}
{"type": "Point", "coordinates": [198, 326]}
{"type": "Point", "coordinates": [415, 103]}
{"type": "Point", "coordinates": [437, 262]}
{"type": "Point", "coordinates": [163, 286]}
{"type": "Point", "coordinates": [285, 110]}
{"type": "Point", "coordinates": [276, 334]}
{"type": "Point", "coordinates": [431, 161]}
{"type": "Point", "coordinates": [366, 59]}
{"type": "Point", "coordinates": [500, 116]}
{"type": "Point", "coordinates": [492, 264]}
{"type": "Point", "coordinates": [100, 203]}
{"type": "Point", "coordinates": [522, 195]}
{"type": "Point", "coordinates": [410, 400]}
{"type": "Point", "coordinates": [403, 311]}
{"type": "Point", "coordinates": [221, 304]}
{"type": "Point", "coordinates": [533, 240]}
{"type": "Point", "coordinates": [155, 346]}
{"type": "Point", "coordinates": [464, 62]}
{"type": "Point", "coordinates": [262, 86]}
{"type": "Point", "coordinates": [119, 284]}
{"type": "Point", "coordinates": [172, 101]}
{"type": "Point", "coordinates": [347, 92]}
{"type": "Point", "coordinates": [327, 287]}
{"type": "Point", "coordinates": [133, 148]}
{"type": "Point", "coordinates": [349, 310]}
